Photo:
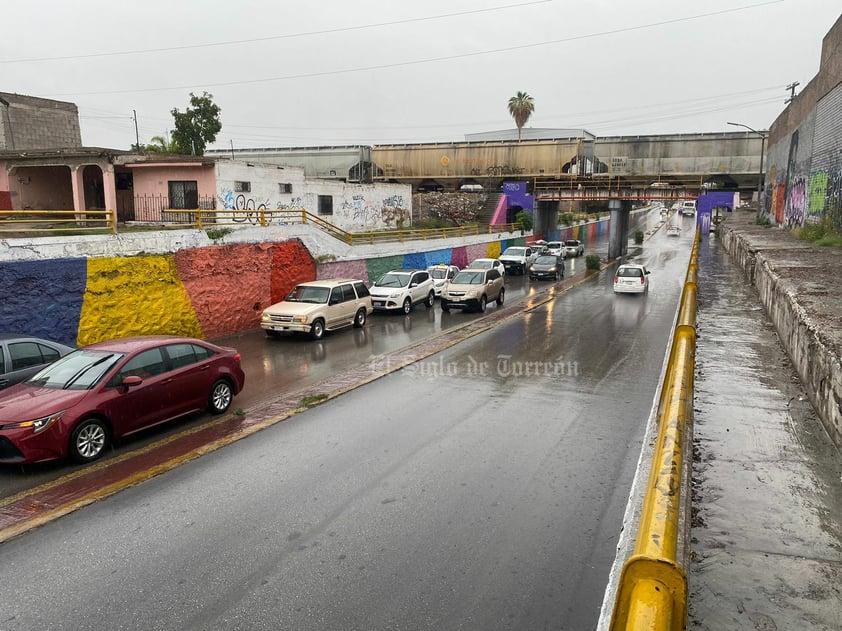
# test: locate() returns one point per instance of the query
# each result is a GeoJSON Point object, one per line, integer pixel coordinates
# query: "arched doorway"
{"type": "Point", "coordinates": [93, 187]}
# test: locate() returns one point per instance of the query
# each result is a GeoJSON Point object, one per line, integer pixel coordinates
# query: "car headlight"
{"type": "Point", "coordinates": [38, 424]}
{"type": "Point", "coordinates": [395, 294]}
{"type": "Point", "coordinates": [300, 319]}
{"type": "Point", "coordinates": [265, 317]}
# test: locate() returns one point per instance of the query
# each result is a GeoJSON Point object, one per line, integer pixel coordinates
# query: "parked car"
{"type": "Point", "coordinates": [441, 275]}
{"type": "Point", "coordinates": [319, 306]}
{"type": "Point", "coordinates": [473, 289]}
{"type": "Point", "coordinates": [547, 266]}
{"type": "Point", "coordinates": [688, 208]}
{"type": "Point", "coordinates": [402, 288]}
{"type": "Point", "coordinates": [574, 247]}
{"type": "Point", "coordinates": [556, 248]}
{"type": "Point", "coordinates": [517, 259]}
{"type": "Point", "coordinates": [77, 405]}
{"type": "Point", "coordinates": [488, 264]}
{"type": "Point", "coordinates": [631, 279]}
{"type": "Point", "coordinates": [22, 356]}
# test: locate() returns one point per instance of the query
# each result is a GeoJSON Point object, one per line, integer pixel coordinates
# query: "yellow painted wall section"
{"type": "Point", "coordinates": [494, 250]}
{"type": "Point", "coordinates": [139, 295]}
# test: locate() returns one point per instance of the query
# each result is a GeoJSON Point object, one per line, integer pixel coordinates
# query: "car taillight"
{"type": "Point", "coordinates": [642, 279]}
{"type": "Point", "coordinates": [616, 279]}
{"type": "Point", "coordinates": [237, 357]}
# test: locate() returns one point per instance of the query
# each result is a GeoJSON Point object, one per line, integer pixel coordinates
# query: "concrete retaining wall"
{"type": "Point", "coordinates": [814, 354]}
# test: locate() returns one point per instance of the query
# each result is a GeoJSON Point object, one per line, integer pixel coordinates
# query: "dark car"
{"type": "Point", "coordinates": [22, 356]}
{"type": "Point", "coordinates": [77, 405]}
{"type": "Point", "coordinates": [547, 266]}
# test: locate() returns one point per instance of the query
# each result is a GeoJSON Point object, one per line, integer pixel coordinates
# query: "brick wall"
{"type": "Point", "coordinates": [28, 122]}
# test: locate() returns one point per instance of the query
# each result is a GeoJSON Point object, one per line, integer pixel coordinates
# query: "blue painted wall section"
{"type": "Point", "coordinates": [43, 298]}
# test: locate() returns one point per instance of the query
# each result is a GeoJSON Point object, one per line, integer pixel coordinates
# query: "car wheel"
{"type": "Point", "coordinates": [317, 329]}
{"type": "Point", "coordinates": [445, 307]}
{"type": "Point", "coordinates": [483, 301]}
{"type": "Point", "coordinates": [407, 305]}
{"type": "Point", "coordinates": [501, 297]}
{"type": "Point", "coordinates": [431, 300]}
{"type": "Point", "coordinates": [88, 440]}
{"type": "Point", "coordinates": [359, 319]}
{"type": "Point", "coordinates": [219, 399]}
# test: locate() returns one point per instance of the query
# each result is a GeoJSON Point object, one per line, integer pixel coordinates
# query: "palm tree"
{"type": "Point", "coordinates": [521, 106]}
{"type": "Point", "coordinates": [160, 144]}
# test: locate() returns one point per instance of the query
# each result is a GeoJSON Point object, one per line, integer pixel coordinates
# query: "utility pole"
{"type": "Point", "coordinates": [763, 136]}
{"type": "Point", "coordinates": [232, 149]}
{"type": "Point", "coordinates": [136, 134]}
{"type": "Point", "coordinates": [791, 87]}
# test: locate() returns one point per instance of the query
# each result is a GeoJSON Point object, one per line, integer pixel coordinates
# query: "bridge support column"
{"type": "Point", "coordinates": [618, 233]}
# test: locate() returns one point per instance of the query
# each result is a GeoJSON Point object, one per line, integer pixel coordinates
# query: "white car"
{"type": "Point", "coordinates": [402, 288]}
{"type": "Point", "coordinates": [488, 264]}
{"type": "Point", "coordinates": [574, 247]}
{"type": "Point", "coordinates": [319, 306]}
{"type": "Point", "coordinates": [688, 208]}
{"type": "Point", "coordinates": [556, 248]}
{"type": "Point", "coordinates": [441, 275]}
{"type": "Point", "coordinates": [518, 258]}
{"type": "Point", "coordinates": [631, 279]}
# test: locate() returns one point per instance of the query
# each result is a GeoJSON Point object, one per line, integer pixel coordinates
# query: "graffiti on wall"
{"type": "Point", "coordinates": [390, 212]}
{"type": "Point", "coordinates": [248, 210]}
{"type": "Point", "coordinates": [796, 203]}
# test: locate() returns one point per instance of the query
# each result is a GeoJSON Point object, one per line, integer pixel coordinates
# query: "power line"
{"type": "Point", "coordinates": [252, 40]}
{"type": "Point", "coordinates": [416, 62]}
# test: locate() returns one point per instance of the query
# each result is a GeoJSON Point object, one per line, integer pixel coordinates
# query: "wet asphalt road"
{"type": "Point", "coordinates": [480, 488]}
{"type": "Point", "coordinates": [291, 363]}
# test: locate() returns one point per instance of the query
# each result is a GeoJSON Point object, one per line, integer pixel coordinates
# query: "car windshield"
{"type": "Point", "coordinates": [469, 278]}
{"type": "Point", "coordinates": [80, 370]}
{"type": "Point", "coordinates": [572, 243]}
{"type": "Point", "coordinates": [392, 280]}
{"type": "Point", "coordinates": [553, 245]}
{"type": "Point", "coordinates": [632, 272]}
{"type": "Point", "coordinates": [308, 293]}
{"type": "Point", "coordinates": [546, 260]}
{"type": "Point", "coordinates": [482, 264]}
{"type": "Point", "coordinates": [438, 272]}
{"type": "Point", "coordinates": [514, 252]}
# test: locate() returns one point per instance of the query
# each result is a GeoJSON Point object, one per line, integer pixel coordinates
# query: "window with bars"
{"type": "Point", "coordinates": [184, 195]}
{"type": "Point", "coordinates": [242, 187]}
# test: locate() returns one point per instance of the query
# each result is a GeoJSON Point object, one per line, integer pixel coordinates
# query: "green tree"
{"type": "Point", "coordinates": [198, 125]}
{"type": "Point", "coordinates": [521, 106]}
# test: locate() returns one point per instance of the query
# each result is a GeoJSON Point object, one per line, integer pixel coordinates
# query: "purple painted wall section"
{"type": "Point", "coordinates": [707, 202]}
{"type": "Point", "coordinates": [517, 194]}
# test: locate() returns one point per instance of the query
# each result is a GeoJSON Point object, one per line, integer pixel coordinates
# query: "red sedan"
{"type": "Point", "coordinates": [102, 392]}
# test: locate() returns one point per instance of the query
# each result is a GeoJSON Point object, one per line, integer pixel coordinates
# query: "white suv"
{"type": "Point", "coordinates": [319, 306]}
{"type": "Point", "coordinates": [517, 259]}
{"type": "Point", "coordinates": [402, 288]}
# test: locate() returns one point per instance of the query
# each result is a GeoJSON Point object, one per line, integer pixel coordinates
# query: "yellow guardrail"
{"type": "Point", "coordinates": [53, 221]}
{"type": "Point", "coordinates": [266, 217]}
{"type": "Point", "coordinates": [652, 592]}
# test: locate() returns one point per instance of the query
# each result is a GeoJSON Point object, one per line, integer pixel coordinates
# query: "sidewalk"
{"type": "Point", "coordinates": [767, 495]}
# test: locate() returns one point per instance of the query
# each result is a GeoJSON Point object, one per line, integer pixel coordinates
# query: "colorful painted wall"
{"type": "Point", "coordinates": [205, 292]}
{"type": "Point", "coordinates": [200, 292]}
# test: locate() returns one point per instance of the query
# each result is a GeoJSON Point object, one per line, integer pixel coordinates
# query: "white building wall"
{"type": "Point", "coordinates": [354, 207]}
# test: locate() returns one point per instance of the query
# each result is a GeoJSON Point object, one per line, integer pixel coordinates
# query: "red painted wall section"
{"type": "Point", "coordinates": [459, 257]}
{"type": "Point", "coordinates": [230, 285]}
{"type": "Point", "coordinates": [5, 200]}
{"type": "Point", "coordinates": [291, 264]}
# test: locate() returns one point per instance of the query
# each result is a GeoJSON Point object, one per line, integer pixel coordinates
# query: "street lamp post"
{"type": "Point", "coordinates": [762, 151]}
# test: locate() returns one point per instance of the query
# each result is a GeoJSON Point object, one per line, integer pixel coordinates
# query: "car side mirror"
{"type": "Point", "coordinates": [130, 381]}
{"type": "Point", "coordinates": [411, 285]}
{"type": "Point", "coordinates": [647, 271]}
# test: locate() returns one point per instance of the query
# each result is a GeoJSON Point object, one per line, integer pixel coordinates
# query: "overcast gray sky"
{"type": "Point", "coordinates": [336, 72]}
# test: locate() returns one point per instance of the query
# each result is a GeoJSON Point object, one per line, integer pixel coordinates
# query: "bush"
{"type": "Point", "coordinates": [565, 219]}
{"type": "Point", "coordinates": [638, 237]}
{"type": "Point", "coordinates": [592, 261]}
{"type": "Point", "coordinates": [524, 218]}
